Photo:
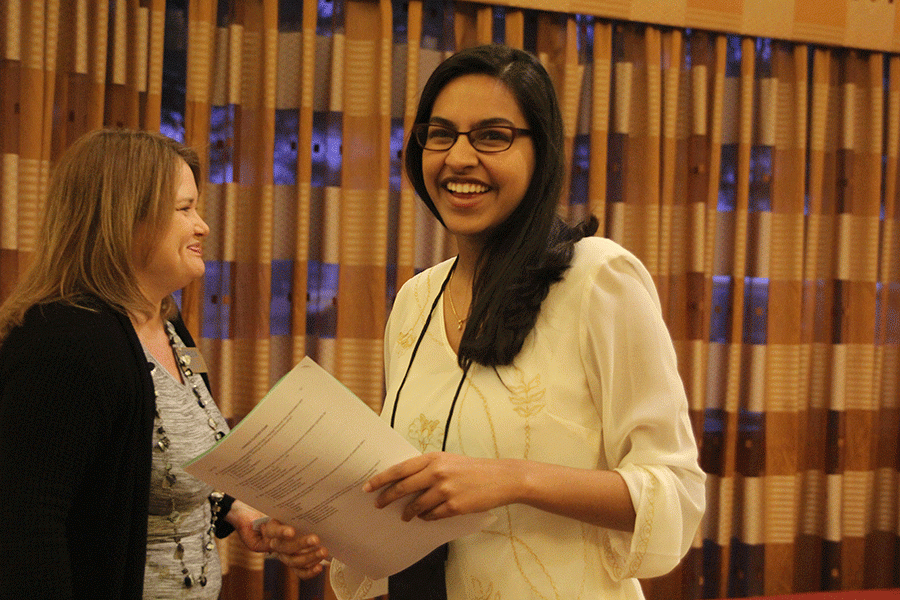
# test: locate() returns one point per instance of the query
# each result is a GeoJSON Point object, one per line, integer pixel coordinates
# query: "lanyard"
{"type": "Point", "coordinates": [413, 357]}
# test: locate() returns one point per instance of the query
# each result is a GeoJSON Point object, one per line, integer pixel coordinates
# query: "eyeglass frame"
{"type": "Point", "coordinates": [423, 127]}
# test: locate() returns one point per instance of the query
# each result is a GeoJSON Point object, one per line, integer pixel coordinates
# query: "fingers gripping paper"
{"type": "Point", "coordinates": [302, 456]}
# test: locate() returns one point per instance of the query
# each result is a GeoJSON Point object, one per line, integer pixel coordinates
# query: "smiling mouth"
{"type": "Point", "coordinates": [456, 187]}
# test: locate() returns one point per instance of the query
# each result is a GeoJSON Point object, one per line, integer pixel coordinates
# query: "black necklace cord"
{"type": "Point", "coordinates": [413, 357]}
{"type": "Point", "coordinates": [419, 341]}
{"type": "Point", "coordinates": [452, 406]}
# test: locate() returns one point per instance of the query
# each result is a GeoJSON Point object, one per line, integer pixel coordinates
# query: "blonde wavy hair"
{"type": "Point", "coordinates": [105, 185]}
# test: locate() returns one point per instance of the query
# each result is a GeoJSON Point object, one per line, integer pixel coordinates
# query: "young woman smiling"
{"type": "Point", "coordinates": [534, 370]}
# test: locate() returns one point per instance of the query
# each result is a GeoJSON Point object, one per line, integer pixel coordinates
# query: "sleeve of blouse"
{"type": "Point", "coordinates": [647, 435]}
{"type": "Point", "coordinates": [387, 343]}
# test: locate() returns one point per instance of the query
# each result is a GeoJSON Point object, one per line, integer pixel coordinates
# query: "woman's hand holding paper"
{"type": "Point", "coordinates": [304, 554]}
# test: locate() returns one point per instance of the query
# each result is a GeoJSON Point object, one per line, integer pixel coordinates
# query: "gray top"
{"type": "Point", "coordinates": [186, 500]}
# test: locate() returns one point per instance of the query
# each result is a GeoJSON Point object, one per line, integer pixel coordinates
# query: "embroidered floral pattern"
{"type": "Point", "coordinates": [422, 293]}
{"type": "Point", "coordinates": [422, 432]}
{"type": "Point", "coordinates": [523, 551]}
{"type": "Point", "coordinates": [480, 590]}
{"type": "Point", "coordinates": [528, 396]}
{"type": "Point", "coordinates": [630, 565]}
{"type": "Point", "coordinates": [406, 339]}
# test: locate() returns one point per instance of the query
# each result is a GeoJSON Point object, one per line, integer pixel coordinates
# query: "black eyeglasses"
{"type": "Point", "coordinates": [488, 139]}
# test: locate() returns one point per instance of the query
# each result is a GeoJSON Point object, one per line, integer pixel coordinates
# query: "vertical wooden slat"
{"type": "Point", "coordinates": [364, 199]}
{"type": "Point", "coordinates": [249, 227]}
{"type": "Point", "coordinates": [648, 150]}
{"type": "Point", "coordinates": [557, 49]}
{"type": "Point", "coordinates": [37, 76]}
{"type": "Point", "coordinates": [882, 546]}
{"type": "Point", "coordinates": [135, 63]}
{"type": "Point", "coordinates": [670, 66]}
{"type": "Point", "coordinates": [120, 53]}
{"type": "Point", "coordinates": [406, 234]}
{"type": "Point", "coordinates": [197, 110]}
{"type": "Point", "coordinates": [735, 358]}
{"type": "Point", "coordinates": [10, 140]}
{"type": "Point", "coordinates": [783, 402]}
{"type": "Point", "coordinates": [515, 28]}
{"type": "Point", "coordinates": [637, 125]}
{"type": "Point", "coordinates": [812, 459]}
{"type": "Point", "coordinates": [600, 115]}
{"type": "Point", "coordinates": [152, 112]}
{"type": "Point", "coordinates": [719, 499]}
{"type": "Point", "coordinates": [569, 94]}
{"type": "Point", "coordinates": [97, 42]}
{"type": "Point", "coordinates": [64, 116]}
{"type": "Point", "coordinates": [484, 24]}
{"type": "Point", "coordinates": [300, 283]}
{"type": "Point", "coordinates": [858, 268]}
{"type": "Point", "coordinates": [250, 223]}
{"type": "Point", "coordinates": [465, 25]}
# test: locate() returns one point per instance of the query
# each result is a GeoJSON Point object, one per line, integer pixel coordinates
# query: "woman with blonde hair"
{"type": "Point", "coordinates": [100, 402]}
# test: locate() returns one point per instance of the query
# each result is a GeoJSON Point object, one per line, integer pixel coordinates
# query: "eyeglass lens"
{"type": "Point", "coordinates": [495, 138]}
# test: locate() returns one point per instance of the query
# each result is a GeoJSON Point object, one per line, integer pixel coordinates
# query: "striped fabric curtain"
{"type": "Point", "coordinates": [756, 179]}
{"type": "Point", "coordinates": [800, 432]}
{"type": "Point", "coordinates": [67, 68]}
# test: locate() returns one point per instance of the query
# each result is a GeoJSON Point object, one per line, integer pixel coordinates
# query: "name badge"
{"type": "Point", "coordinates": [191, 359]}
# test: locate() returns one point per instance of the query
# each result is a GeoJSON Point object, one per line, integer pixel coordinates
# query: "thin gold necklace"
{"type": "Point", "coordinates": [459, 322]}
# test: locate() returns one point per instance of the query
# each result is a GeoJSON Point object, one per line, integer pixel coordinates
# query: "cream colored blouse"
{"type": "Point", "coordinates": [595, 386]}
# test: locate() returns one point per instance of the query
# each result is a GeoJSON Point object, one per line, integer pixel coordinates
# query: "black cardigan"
{"type": "Point", "coordinates": [76, 423]}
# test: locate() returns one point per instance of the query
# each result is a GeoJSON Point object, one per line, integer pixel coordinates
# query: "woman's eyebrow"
{"type": "Point", "coordinates": [440, 121]}
{"type": "Point", "coordinates": [483, 123]}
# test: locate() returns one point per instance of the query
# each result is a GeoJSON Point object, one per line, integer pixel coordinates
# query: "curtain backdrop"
{"type": "Point", "coordinates": [757, 179]}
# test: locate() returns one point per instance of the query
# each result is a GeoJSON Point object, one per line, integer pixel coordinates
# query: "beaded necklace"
{"type": "Point", "coordinates": [183, 360]}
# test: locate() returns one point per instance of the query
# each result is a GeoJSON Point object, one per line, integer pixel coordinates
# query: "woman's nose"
{"type": "Point", "coordinates": [200, 227]}
{"type": "Point", "coordinates": [462, 153]}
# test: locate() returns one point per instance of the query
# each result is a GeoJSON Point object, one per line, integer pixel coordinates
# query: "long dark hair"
{"type": "Point", "coordinates": [533, 248]}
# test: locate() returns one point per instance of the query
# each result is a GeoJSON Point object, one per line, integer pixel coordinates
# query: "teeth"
{"type": "Point", "coordinates": [466, 188]}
